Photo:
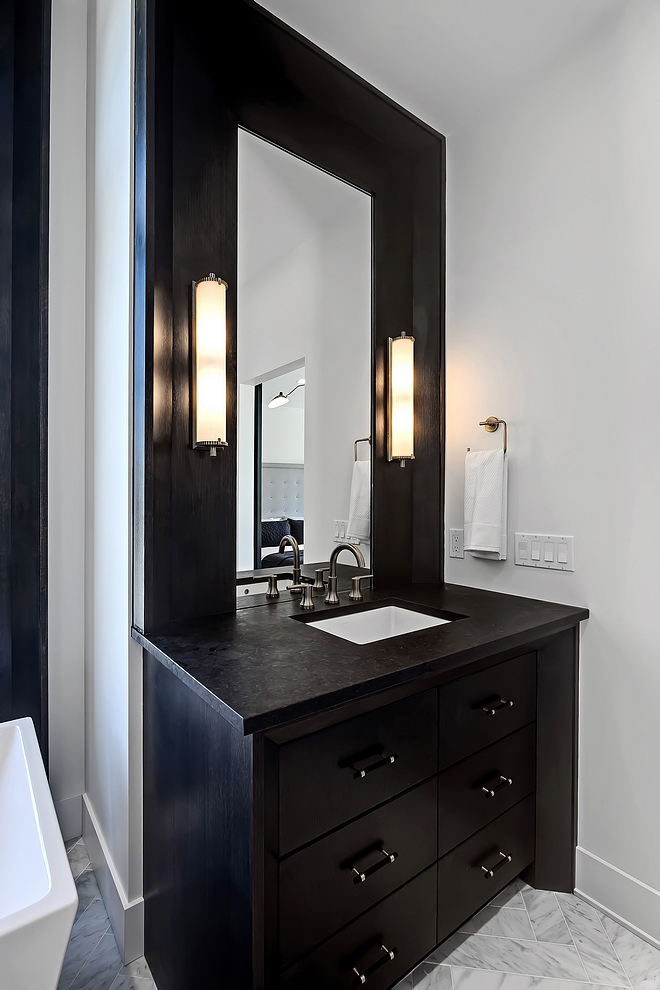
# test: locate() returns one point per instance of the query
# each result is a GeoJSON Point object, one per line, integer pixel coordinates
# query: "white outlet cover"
{"type": "Point", "coordinates": [456, 543]}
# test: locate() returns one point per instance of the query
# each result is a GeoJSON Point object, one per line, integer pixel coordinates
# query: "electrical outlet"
{"type": "Point", "coordinates": [456, 543]}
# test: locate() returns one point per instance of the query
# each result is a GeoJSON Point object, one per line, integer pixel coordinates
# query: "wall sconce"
{"type": "Point", "coordinates": [208, 391]}
{"type": "Point", "coordinates": [281, 399]}
{"type": "Point", "coordinates": [401, 399]}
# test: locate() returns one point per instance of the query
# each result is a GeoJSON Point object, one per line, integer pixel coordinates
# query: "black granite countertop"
{"type": "Point", "coordinates": [261, 667]}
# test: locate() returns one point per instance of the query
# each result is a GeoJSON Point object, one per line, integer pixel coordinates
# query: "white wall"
{"type": "Point", "coordinates": [553, 324]}
{"type": "Point", "coordinates": [112, 813]}
{"type": "Point", "coordinates": [66, 411]}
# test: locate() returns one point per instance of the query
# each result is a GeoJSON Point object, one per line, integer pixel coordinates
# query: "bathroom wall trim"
{"type": "Point", "coordinates": [126, 917]}
{"type": "Point", "coordinates": [632, 903]}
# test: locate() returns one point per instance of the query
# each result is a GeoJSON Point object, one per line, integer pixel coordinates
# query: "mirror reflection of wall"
{"type": "Point", "coordinates": [304, 313]}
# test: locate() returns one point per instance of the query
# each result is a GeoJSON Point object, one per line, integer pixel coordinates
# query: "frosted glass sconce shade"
{"type": "Point", "coordinates": [209, 363]}
{"type": "Point", "coordinates": [401, 399]}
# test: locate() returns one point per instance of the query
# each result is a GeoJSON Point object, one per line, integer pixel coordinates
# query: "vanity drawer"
{"type": "Point", "coordinates": [319, 890]}
{"type": "Point", "coordinates": [463, 884]}
{"type": "Point", "coordinates": [404, 923]}
{"type": "Point", "coordinates": [320, 781]}
{"type": "Point", "coordinates": [479, 789]}
{"type": "Point", "coordinates": [478, 709]}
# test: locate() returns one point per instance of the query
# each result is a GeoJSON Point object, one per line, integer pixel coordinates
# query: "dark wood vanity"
{"type": "Point", "coordinates": [313, 851]}
{"type": "Point", "coordinates": [317, 814]}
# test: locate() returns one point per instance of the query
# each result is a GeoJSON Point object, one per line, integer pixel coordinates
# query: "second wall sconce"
{"type": "Point", "coordinates": [401, 399]}
{"type": "Point", "coordinates": [208, 344]}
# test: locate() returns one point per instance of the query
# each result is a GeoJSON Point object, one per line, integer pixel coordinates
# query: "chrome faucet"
{"type": "Point", "coordinates": [332, 598]}
{"type": "Point", "coordinates": [296, 587]}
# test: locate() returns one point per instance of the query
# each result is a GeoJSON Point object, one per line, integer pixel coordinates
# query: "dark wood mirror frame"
{"type": "Point", "coordinates": [198, 79]}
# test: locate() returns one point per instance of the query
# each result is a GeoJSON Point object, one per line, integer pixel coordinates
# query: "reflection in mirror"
{"type": "Point", "coordinates": [304, 358]}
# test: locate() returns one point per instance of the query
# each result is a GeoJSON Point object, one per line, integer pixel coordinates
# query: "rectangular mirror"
{"type": "Point", "coordinates": [304, 359]}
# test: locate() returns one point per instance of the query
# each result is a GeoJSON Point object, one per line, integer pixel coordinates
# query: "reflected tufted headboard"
{"type": "Point", "coordinates": [283, 491]}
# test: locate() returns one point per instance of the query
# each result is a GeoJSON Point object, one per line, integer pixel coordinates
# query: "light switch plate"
{"type": "Point", "coordinates": [540, 550]}
{"type": "Point", "coordinates": [456, 543]}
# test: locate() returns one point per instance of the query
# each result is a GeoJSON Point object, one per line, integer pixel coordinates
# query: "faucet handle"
{"type": "Point", "coordinates": [307, 600]}
{"type": "Point", "coordinates": [356, 591]}
{"type": "Point", "coordinates": [272, 591]}
{"type": "Point", "coordinates": [319, 583]}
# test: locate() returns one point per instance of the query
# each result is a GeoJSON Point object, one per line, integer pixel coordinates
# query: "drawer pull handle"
{"type": "Point", "coordinates": [490, 792]}
{"type": "Point", "coordinates": [363, 977]}
{"type": "Point", "coordinates": [490, 708]}
{"type": "Point", "coordinates": [382, 762]}
{"type": "Point", "coordinates": [361, 876]}
{"type": "Point", "coordinates": [489, 874]}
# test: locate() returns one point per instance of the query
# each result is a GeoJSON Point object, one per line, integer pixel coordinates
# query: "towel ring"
{"type": "Point", "coordinates": [356, 442]}
{"type": "Point", "coordinates": [492, 424]}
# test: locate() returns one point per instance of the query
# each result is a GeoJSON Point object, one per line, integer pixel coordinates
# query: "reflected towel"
{"type": "Point", "coordinates": [485, 505]}
{"type": "Point", "coordinates": [359, 511]}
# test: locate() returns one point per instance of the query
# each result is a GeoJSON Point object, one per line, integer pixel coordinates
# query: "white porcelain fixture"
{"type": "Point", "coordinates": [38, 896]}
{"type": "Point", "coordinates": [377, 623]}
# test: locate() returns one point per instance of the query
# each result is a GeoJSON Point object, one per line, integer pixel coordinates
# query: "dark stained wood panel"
{"type": "Point", "coordinates": [281, 88]}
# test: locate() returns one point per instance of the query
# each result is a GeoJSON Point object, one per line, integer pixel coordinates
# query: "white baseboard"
{"type": "Point", "coordinates": [69, 815]}
{"type": "Point", "coordinates": [627, 900]}
{"type": "Point", "coordinates": [126, 917]}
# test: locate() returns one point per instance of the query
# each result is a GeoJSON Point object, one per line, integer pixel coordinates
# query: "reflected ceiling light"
{"type": "Point", "coordinates": [281, 399]}
{"type": "Point", "coordinates": [401, 399]}
{"type": "Point", "coordinates": [208, 387]}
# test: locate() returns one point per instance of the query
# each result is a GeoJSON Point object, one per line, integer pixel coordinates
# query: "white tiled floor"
{"type": "Point", "coordinates": [92, 960]}
{"type": "Point", "coordinates": [524, 940]}
{"type": "Point", "coordinates": [535, 940]}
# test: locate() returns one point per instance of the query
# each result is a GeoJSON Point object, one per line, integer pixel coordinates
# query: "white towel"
{"type": "Point", "coordinates": [359, 511]}
{"type": "Point", "coordinates": [485, 529]}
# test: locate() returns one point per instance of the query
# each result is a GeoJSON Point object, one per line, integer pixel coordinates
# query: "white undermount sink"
{"type": "Point", "coordinates": [375, 624]}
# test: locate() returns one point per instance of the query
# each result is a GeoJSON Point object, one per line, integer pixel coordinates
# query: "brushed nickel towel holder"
{"type": "Point", "coordinates": [491, 425]}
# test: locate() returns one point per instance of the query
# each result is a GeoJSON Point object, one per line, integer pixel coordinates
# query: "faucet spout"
{"type": "Point", "coordinates": [294, 588]}
{"type": "Point", "coordinates": [332, 598]}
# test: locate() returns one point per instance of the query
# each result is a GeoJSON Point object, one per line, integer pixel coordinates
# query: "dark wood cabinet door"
{"type": "Point", "coordinates": [484, 786]}
{"type": "Point", "coordinates": [327, 884]}
{"type": "Point", "coordinates": [336, 774]}
{"type": "Point", "coordinates": [403, 925]}
{"type": "Point", "coordinates": [476, 710]}
{"type": "Point", "coordinates": [470, 875]}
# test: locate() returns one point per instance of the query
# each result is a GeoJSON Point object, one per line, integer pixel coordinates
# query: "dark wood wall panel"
{"type": "Point", "coordinates": [24, 121]}
{"type": "Point", "coordinates": [198, 821]}
{"type": "Point", "coordinates": [556, 763]}
{"type": "Point", "coordinates": [283, 89]}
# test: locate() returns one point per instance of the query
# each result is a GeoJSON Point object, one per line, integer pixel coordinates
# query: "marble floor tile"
{"type": "Point", "coordinates": [480, 979]}
{"type": "Point", "coordinates": [547, 920]}
{"type": "Point", "coordinates": [87, 889]}
{"type": "Point", "coordinates": [509, 955]}
{"type": "Point", "coordinates": [70, 843]}
{"type": "Point", "coordinates": [501, 921]}
{"type": "Point", "coordinates": [600, 960]}
{"type": "Point", "coordinates": [78, 858]}
{"type": "Point", "coordinates": [510, 897]}
{"type": "Point", "coordinates": [431, 977]}
{"type": "Point", "coordinates": [102, 968]}
{"type": "Point", "coordinates": [138, 968]}
{"type": "Point", "coordinates": [125, 982]}
{"type": "Point", "coordinates": [87, 932]}
{"type": "Point", "coordinates": [637, 957]}
{"type": "Point", "coordinates": [405, 984]}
